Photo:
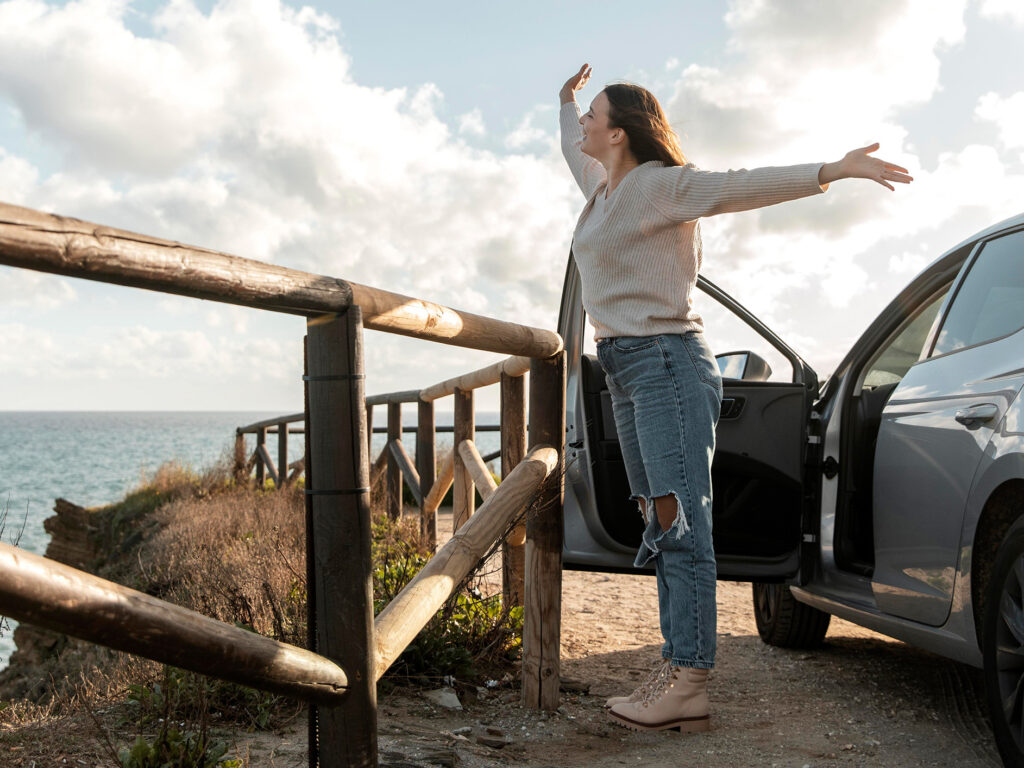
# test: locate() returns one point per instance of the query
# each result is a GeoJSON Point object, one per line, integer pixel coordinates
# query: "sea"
{"type": "Point", "coordinates": [94, 458]}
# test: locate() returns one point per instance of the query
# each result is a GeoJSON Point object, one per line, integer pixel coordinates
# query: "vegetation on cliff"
{"type": "Point", "coordinates": [234, 553]}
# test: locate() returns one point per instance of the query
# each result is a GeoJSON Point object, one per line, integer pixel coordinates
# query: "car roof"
{"type": "Point", "coordinates": [1013, 221]}
{"type": "Point", "coordinates": [1010, 223]}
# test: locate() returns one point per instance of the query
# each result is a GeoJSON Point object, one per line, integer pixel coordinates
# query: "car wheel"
{"type": "Point", "coordinates": [785, 622]}
{"type": "Point", "coordinates": [1003, 645]}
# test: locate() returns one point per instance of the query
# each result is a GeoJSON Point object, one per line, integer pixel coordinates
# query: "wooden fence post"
{"type": "Point", "coordinates": [426, 465]}
{"type": "Point", "coordinates": [394, 486]}
{"type": "Point", "coordinates": [543, 588]}
{"type": "Point", "coordinates": [369, 432]}
{"type": "Point", "coordinates": [338, 507]}
{"type": "Point", "coordinates": [282, 455]}
{"type": "Point", "coordinates": [261, 467]}
{"type": "Point", "coordinates": [463, 496]}
{"type": "Point", "coordinates": [241, 460]}
{"type": "Point", "coordinates": [513, 448]}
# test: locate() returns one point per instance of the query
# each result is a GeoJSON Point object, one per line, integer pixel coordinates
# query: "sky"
{"type": "Point", "coordinates": [414, 147]}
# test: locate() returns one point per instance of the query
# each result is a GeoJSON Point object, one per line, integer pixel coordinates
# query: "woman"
{"type": "Point", "coordinates": [638, 249]}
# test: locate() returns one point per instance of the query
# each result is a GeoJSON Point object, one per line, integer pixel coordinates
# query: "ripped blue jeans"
{"type": "Point", "coordinates": [666, 396]}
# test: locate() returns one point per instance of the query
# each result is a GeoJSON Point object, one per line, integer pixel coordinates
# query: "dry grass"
{"type": "Point", "coordinates": [238, 556]}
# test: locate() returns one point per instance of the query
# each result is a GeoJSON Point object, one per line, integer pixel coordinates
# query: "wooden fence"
{"type": "Point", "coordinates": [464, 468]}
{"type": "Point", "coordinates": [348, 648]}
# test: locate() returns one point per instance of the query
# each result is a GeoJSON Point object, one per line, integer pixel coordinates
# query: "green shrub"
{"type": "Point", "coordinates": [470, 632]}
{"type": "Point", "coordinates": [186, 696]}
{"type": "Point", "coordinates": [174, 749]}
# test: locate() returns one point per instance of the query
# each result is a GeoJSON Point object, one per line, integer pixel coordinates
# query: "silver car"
{"type": "Point", "coordinates": [892, 495]}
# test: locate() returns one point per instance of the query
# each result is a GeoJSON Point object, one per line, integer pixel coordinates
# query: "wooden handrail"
{"type": "Point", "coordinates": [441, 485]}
{"type": "Point", "coordinates": [391, 398]}
{"type": "Point", "coordinates": [516, 365]}
{"type": "Point", "coordinates": [409, 474]}
{"type": "Point", "coordinates": [482, 377]}
{"type": "Point", "coordinates": [482, 479]}
{"type": "Point", "coordinates": [48, 243]}
{"type": "Point", "coordinates": [271, 423]}
{"type": "Point", "coordinates": [410, 610]}
{"type": "Point", "coordinates": [49, 594]}
{"type": "Point", "coordinates": [268, 462]}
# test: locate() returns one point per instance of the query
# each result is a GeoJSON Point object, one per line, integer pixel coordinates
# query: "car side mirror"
{"type": "Point", "coordinates": [747, 366]}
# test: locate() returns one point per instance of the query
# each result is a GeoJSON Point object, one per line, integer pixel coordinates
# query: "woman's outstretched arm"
{"type": "Point", "coordinates": [589, 173]}
{"type": "Point", "coordinates": [686, 193]}
{"type": "Point", "coordinates": [857, 165]}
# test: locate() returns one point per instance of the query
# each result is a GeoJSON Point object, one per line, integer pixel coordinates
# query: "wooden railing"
{"type": "Point", "coordinates": [282, 473]}
{"type": "Point", "coordinates": [348, 650]}
{"type": "Point", "coordinates": [463, 470]}
{"type": "Point", "coordinates": [260, 459]}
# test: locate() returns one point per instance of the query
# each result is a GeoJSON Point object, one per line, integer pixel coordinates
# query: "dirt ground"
{"type": "Point", "coordinates": [861, 700]}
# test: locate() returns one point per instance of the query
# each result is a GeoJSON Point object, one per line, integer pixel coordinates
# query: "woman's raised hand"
{"type": "Point", "coordinates": [574, 83]}
{"type": "Point", "coordinates": [858, 164]}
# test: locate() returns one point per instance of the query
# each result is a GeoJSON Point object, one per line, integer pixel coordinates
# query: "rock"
{"type": "Point", "coordinates": [396, 760]}
{"type": "Point", "coordinates": [446, 758]}
{"type": "Point", "coordinates": [491, 730]}
{"type": "Point", "coordinates": [465, 691]}
{"type": "Point", "coordinates": [568, 685]}
{"type": "Point", "coordinates": [71, 532]}
{"type": "Point", "coordinates": [495, 742]}
{"type": "Point", "coordinates": [444, 697]}
{"type": "Point", "coordinates": [463, 731]}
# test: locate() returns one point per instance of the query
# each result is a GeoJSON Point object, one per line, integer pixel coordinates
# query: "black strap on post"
{"type": "Point", "coordinates": [339, 377]}
{"type": "Point", "coordinates": [339, 492]}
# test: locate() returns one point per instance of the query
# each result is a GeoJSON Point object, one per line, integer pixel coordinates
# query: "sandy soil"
{"type": "Point", "coordinates": [861, 700]}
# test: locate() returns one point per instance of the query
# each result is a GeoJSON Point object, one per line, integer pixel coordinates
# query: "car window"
{"type": "Point", "coordinates": [725, 333]}
{"type": "Point", "coordinates": [990, 301]}
{"type": "Point", "coordinates": [892, 361]}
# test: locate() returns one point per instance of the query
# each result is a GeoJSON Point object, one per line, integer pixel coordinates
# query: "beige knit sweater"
{"type": "Point", "coordinates": [638, 263]}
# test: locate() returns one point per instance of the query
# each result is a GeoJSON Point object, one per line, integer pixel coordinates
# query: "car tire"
{"type": "Point", "coordinates": [785, 622]}
{"type": "Point", "coordinates": [1003, 645]}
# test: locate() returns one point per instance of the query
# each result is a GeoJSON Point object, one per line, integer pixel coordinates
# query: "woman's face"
{"type": "Point", "coordinates": [598, 137]}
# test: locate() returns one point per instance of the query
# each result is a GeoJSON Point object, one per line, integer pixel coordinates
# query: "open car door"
{"type": "Point", "coordinates": [758, 472]}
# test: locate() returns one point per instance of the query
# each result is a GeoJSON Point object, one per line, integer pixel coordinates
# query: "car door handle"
{"type": "Point", "coordinates": [977, 414]}
{"type": "Point", "coordinates": [732, 407]}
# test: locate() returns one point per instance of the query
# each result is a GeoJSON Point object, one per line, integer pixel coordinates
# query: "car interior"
{"type": "Point", "coordinates": [757, 481]}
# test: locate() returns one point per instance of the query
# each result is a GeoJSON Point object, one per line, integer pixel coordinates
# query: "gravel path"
{"type": "Point", "coordinates": [861, 700]}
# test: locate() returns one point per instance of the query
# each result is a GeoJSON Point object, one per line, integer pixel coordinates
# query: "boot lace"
{"type": "Point", "coordinates": [657, 680]}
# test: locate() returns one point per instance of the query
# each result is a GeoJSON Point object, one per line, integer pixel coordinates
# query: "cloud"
{"type": "Point", "coordinates": [20, 288]}
{"type": "Point", "coordinates": [1007, 114]}
{"type": "Point", "coordinates": [805, 81]}
{"type": "Point", "coordinates": [139, 352]}
{"type": "Point", "coordinates": [25, 351]}
{"type": "Point", "coordinates": [528, 133]}
{"type": "Point", "coordinates": [809, 77]}
{"type": "Point", "coordinates": [259, 142]}
{"type": "Point", "coordinates": [17, 177]}
{"type": "Point", "coordinates": [472, 123]}
{"type": "Point", "coordinates": [1003, 9]}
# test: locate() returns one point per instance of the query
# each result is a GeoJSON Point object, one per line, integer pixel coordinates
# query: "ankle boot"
{"type": "Point", "coordinates": [655, 678]}
{"type": "Point", "coordinates": [680, 703]}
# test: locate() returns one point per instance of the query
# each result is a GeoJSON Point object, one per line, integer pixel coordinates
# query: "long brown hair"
{"type": "Point", "coordinates": [638, 113]}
